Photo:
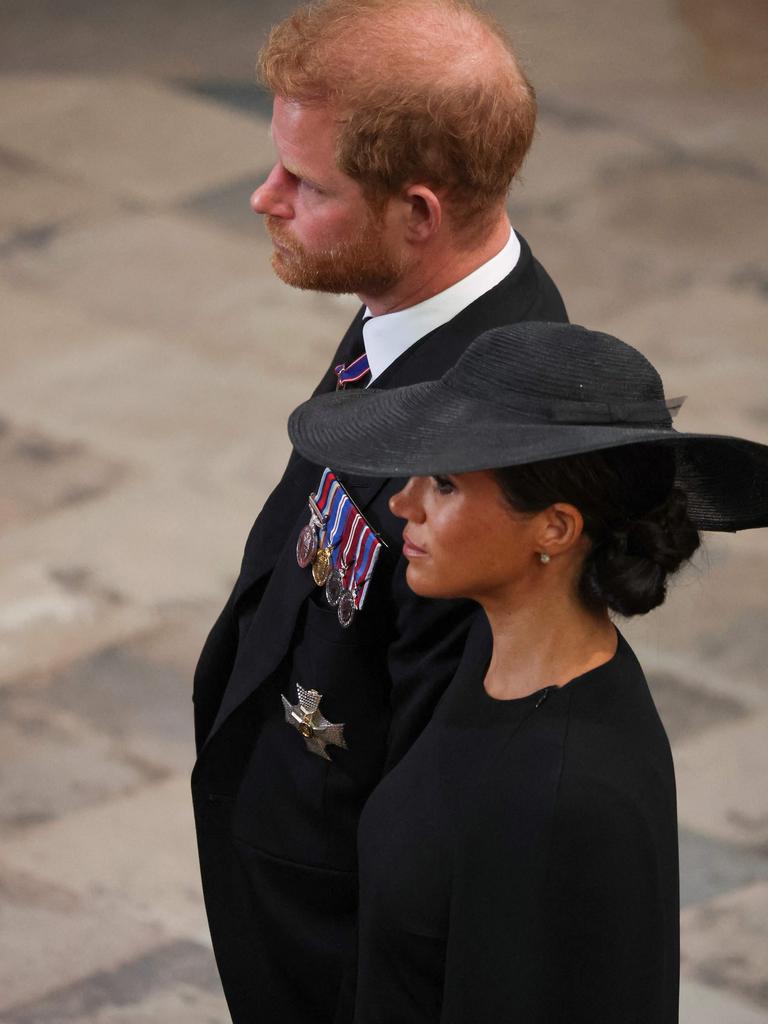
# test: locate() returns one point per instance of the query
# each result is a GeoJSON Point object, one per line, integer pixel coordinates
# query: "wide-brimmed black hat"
{"type": "Point", "coordinates": [525, 393]}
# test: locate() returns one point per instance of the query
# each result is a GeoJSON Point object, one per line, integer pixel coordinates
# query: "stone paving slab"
{"type": "Point", "coordinates": [143, 324]}
{"type": "Point", "coordinates": [703, 1004]}
{"type": "Point", "coordinates": [42, 474]}
{"type": "Point", "coordinates": [39, 329]}
{"type": "Point", "coordinates": [614, 257]}
{"type": "Point", "coordinates": [131, 538]}
{"type": "Point", "coordinates": [196, 38]}
{"type": "Point", "coordinates": [106, 866]}
{"type": "Point", "coordinates": [213, 292]}
{"type": "Point", "coordinates": [686, 709]}
{"type": "Point", "coordinates": [723, 943]}
{"type": "Point", "coordinates": [710, 631]}
{"type": "Point", "coordinates": [228, 205]}
{"type": "Point", "coordinates": [698, 325]}
{"type": "Point", "coordinates": [571, 154]}
{"type": "Point", "coordinates": [158, 406]}
{"type": "Point", "coordinates": [711, 867]}
{"type": "Point", "coordinates": [101, 727]}
{"type": "Point", "coordinates": [50, 936]}
{"type": "Point", "coordinates": [646, 44]}
{"type": "Point", "coordinates": [36, 200]}
{"type": "Point", "coordinates": [53, 612]}
{"type": "Point", "coordinates": [176, 984]}
{"type": "Point", "coordinates": [720, 776]}
{"type": "Point", "coordinates": [98, 130]}
{"type": "Point", "coordinates": [700, 116]}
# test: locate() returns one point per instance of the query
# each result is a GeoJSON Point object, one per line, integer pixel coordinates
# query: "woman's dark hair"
{"type": "Point", "coordinates": [633, 513]}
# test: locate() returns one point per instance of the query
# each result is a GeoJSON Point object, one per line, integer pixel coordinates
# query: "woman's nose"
{"type": "Point", "coordinates": [405, 503]}
{"type": "Point", "coordinates": [271, 197]}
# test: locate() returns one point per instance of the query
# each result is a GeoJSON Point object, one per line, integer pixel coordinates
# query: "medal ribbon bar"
{"type": "Point", "coordinates": [349, 544]}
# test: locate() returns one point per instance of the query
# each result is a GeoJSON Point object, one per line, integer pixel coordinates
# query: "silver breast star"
{"type": "Point", "coordinates": [305, 716]}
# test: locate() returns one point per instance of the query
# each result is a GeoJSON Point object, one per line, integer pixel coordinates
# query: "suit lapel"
{"type": "Point", "coordinates": [269, 632]}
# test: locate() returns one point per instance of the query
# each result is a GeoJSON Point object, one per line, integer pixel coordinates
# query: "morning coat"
{"type": "Point", "coordinates": [276, 824]}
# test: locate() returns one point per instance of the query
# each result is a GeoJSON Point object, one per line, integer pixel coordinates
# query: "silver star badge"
{"type": "Point", "coordinates": [305, 716]}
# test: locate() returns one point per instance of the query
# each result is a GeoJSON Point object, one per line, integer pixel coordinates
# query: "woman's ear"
{"type": "Point", "coordinates": [561, 528]}
{"type": "Point", "coordinates": [424, 213]}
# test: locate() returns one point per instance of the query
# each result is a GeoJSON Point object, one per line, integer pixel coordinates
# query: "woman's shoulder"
{"type": "Point", "coordinates": [616, 758]}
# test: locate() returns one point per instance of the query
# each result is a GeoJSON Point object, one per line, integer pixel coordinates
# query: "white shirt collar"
{"type": "Point", "coordinates": [387, 336]}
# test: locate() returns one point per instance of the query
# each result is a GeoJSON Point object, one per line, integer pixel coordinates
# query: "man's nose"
{"type": "Point", "coordinates": [271, 197]}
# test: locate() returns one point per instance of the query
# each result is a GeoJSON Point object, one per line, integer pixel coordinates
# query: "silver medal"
{"type": "Point", "coordinates": [307, 719]}
{"type": "Point", "coordinates": [334, 587]}
{"type": "Point", "coordinates": [346, 608]}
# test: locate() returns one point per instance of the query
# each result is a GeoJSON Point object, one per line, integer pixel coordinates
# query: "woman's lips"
{"type": "Point", "coordinates": [410, 550]}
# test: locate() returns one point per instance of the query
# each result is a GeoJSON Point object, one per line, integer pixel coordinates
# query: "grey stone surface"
{"type": "Point", "coordinates": [710, 867]}
{"type": "Point", "coordinates": [722, 942]}
{"type": "Point", "coordinates": [703, 1004]}
{"type": "Point", "coordinates": [227, 205]}
{"type": "Point", "coordinates": [184, 970]}
{"type": "Point", "coordinates": [686, 710]}
{"type": "Point", "coordinates": [149, 360]}
{"type": "Point", "coordinates": [41, 474]}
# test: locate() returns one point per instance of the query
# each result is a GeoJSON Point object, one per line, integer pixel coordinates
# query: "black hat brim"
{"type": "Point", "coordinates": [428, 428]}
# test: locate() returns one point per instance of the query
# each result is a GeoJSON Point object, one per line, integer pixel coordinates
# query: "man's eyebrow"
{"type": "Point", "coordinates": [298, 173]}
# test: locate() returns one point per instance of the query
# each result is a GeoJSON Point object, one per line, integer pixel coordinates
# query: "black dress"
{"type": "Point", "coordinates": [520, 863]}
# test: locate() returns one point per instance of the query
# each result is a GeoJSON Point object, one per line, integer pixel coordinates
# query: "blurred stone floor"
{"type": "Point", "coordinates": [149, 360]}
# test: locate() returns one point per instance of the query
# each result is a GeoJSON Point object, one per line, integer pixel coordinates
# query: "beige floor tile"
{"type": "Point", "coordinates": [39, 96]}
{"type": "Point", "coordinates": [99, 854]}
{"type": "Point", "coordinates": [38, 327]}
{"type": "Point", "coordinates": [149, 543]}
{"type": "Point", "coordinates": [194, 284]}
{"type": "Point", "coordinates": [53, 612]}
{"type": "Point", "coordinates": [700, 117]}
{"type": "Point", "coordinates": [68, 765]}
{"type": "Point", "coordinates": [719, 779]}
{"type": "Point", "coordinates": [147, 402]}
{"type": "Point", "coordinates": [711, 629]}
{"type": "Point", "coordinates": [702, 1004]}
{"type": "Point", "coordinates": [724, 944]}
{"type": "Point", "coordinates": [646, 44]}
{"type": "Point", "coordinates": [202, 39]}
{"type": "Point", "coordinates": [130, 137]}
{"type": "Point", "coordinates": [700, 324]}
{"type": "Point", "coordinates": [34, 199]}
{"type": "Point", "coordinates": [727, 395]}
{"type": "Point", "coordinates": [42, 473]}
{"type": "Point", "coordinates": [609, 256]}
{"type": "Point", "coordinates": [51, 937]}
{"type": "Point", "coordinates": [184, 1005]}
{"type": "Point", "coordinates": [570, 155]}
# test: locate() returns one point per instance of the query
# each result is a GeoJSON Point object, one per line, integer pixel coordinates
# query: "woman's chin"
{"type": "Point", "coordinates": [425, 585]}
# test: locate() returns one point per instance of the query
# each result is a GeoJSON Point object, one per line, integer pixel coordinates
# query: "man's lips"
{"type": "Point", "coordinates": [411, 550]}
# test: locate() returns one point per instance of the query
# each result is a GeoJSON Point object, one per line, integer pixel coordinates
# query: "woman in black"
{"type": "Point", "coordinates": [520, 863]}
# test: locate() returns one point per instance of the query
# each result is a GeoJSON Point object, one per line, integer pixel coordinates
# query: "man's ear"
{"type": "Point", "coordinates": [423, 211]}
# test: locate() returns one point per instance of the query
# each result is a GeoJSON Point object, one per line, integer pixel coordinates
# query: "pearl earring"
{"type": "Point", "coordinates": [543, 557]}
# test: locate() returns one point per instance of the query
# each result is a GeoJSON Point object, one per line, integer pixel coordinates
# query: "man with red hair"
{"type": "Point", "coordinates": [399, 126]}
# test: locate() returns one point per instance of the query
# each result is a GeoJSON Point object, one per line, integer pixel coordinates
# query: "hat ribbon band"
{"type": "Point", "coordinates": [656, 412]}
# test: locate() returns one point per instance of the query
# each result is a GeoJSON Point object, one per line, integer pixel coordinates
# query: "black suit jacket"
{"type": "Point", "coordinates": [277, 824]}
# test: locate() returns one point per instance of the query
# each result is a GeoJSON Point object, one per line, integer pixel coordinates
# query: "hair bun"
{"type": "Point", "coordinates": [628, 570]}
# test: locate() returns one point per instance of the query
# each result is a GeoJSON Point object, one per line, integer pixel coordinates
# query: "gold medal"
{"type": "Point", "coordinates": [321, 566]}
